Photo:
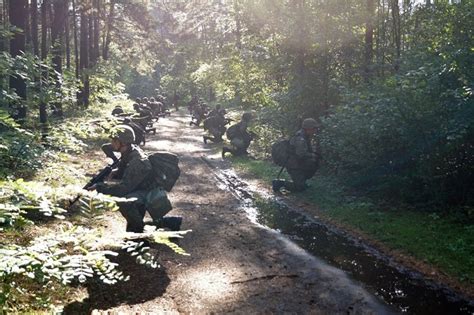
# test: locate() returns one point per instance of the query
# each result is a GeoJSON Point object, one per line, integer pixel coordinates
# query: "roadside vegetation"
{"type": "Point", "coordinates": [432, 237]}
{"type": "Point", "coordinates": [389, 82]}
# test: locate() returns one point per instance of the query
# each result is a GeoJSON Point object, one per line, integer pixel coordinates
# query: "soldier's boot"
{"type": "Point", "coordinates": [277, 184]}
{"type": "Point", "coordinates": [225, 150]}
{"type": "Point", "coordinates": [171, 223]}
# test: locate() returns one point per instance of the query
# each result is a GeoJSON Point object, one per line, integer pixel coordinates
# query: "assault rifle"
{"type": "Point", "coordinates": [100, 177]}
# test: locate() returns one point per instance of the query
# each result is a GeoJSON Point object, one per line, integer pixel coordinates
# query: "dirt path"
{"type": "Point", "coordinates": [235, 266]}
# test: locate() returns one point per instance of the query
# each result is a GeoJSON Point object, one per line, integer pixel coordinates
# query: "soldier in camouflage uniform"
{"type": "Point", "coordinates": [302, 162]}
{"type": "Point", "coordinates": [135, 180]}
{"type": "Point", "coordinates": [215, 125]}
{"type": "Point", "coordinates": [240, 138]}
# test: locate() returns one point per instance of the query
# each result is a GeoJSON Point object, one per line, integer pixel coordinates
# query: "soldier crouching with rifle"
{"type": "Point", "coordinates": [135, 181]}
{"type": "Point", "coordinates": [302, 162]}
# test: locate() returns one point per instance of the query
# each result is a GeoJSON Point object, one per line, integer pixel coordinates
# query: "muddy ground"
{"type": "Point", "coordinates": [235, 266]}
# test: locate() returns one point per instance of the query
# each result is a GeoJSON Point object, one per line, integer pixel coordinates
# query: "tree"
{"type": "Point", "coordinates": [369, 37]}
{"type": "Point", "coordinates": [108, 32]}
{"type": "Point", "coordinates": [57, 39]}
{"type": "Point", "coordinates": [44, 54]}
{"type": "Point", "coordinates": [18, 14]}
{"type": "Point", "coordinates": [84, 58]}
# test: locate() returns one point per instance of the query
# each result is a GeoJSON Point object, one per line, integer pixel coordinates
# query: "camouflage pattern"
{"type": "Point", "coordinates": [302, 164]}
{"type": "Point", "coordinates": [215, 125]}
{"type": "Point", "coordinates": [135, 180]}
{"type": "Point", "coordinates": [241, 140]}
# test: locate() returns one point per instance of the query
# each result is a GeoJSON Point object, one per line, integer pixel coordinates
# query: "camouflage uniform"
{"type": "Point", "coordinates": [241, 140]}
{"type": "Point", "coordinates": [135, 181]}
{"type": "Point", "coordinates": [216, 127]}
{"type": "Point", "coordinates": [302, 164]}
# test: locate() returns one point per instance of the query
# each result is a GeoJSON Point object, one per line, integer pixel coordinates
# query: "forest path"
{"type": "Point", "coordinates": [235, 266]}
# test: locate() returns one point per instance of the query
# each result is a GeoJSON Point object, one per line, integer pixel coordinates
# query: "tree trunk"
{"type": "Point", "coordinates": [57, 33]}
{"type": "Point", "coordinates": [68, 40]}
{"type": "Point", "coordinates": [369, 38]}
{"type": "Point", "coordinates": [96, 30]}
{"type": "Point", "coordinates": [27, 29]}
{"type": "Point", "coordinates": [2, 46]}
{"type": "Point", "coordinates": [84, 62]}
{"type": "Point", "coordinates": [90, 39]}
{"type": "Point", "coordinates": [76, 44]}
{"type": "Point", "coordinates": [44, 29]}
{"type": "Point", "coordinates": [18, 15]}
{"type": "Point", "coordinates": [301, 38]}
{"type": "Point", "coordinates": [396, 33]}
{"type": "Point", "coordinates": [34, 27]}
{"type": "Point", "coordinates": [110, 21]}
{"type": "Point", "coordinates": [57, 39]}
{"type": "Point", "coordinates": [44, 53]}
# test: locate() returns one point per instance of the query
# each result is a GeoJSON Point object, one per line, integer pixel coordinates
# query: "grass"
{"type": "Point", "coordinates": [438, 240]}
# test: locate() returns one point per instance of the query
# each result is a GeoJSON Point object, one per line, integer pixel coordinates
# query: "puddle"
{"type": "Point", "coordinates": [404, 289]}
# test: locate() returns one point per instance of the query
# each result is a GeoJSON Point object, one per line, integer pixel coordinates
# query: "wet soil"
{"type": "Point", "coordinates": [235, 265]}
{"type": "Point", "coordinates": [407, 289]}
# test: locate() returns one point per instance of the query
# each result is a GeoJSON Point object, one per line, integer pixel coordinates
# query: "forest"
{"type": "Point", "coordinates": [389, 83]}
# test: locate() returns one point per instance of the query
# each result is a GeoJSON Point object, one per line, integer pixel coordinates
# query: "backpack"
{"type": "Point", "coordinates": [165, 168]}
{"type": "Point", "coordinates": [281, 151]}
{"type": "Point", "coordinates": [139, 133]}
{"type": "Point", "coordinates": [232, 132]}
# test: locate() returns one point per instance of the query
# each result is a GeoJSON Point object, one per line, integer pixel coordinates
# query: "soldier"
{"type": "Point", "coordinates": [192, 104]}
{"type": "Point", "coordinates": [117, 111]}
{"type": "Point", "coordinates": [135, 180]}
{"type": "Point", "coordinates": [139, 132]}
{"type": "Point", "coordinates": [215, 124]}
{"type": "Point", "coordinates": [302, 161]}
{"type": "Point", "coordinates": [199, 114]}
{"type": "Point", "coordinates": [239, 137]}
{"type": "Point", "coordinates": [176, 100]}
{"type": "Point", "coordinates": [144, 118]}
{"type": "Point", "coordinates": [215, 111]}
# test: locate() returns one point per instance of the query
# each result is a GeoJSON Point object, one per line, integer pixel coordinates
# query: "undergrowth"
{"type": "Point", "coordinates": [441, 240]}
{"type": "Point", "coordinates": [47, 246]}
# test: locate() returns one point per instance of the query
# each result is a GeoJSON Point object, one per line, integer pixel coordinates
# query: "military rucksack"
{"type": "Point", "coordinates": [232, 132]}
{"type": "Point", "coordinates": [139, 132]}
{"type": "Point", "coordinates": [281, 151]}
{"type": "Point", "coordinates": [165, 167]}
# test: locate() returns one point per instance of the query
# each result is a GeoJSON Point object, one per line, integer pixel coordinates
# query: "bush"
{"type": "Point", "coordinates": [411, 139]}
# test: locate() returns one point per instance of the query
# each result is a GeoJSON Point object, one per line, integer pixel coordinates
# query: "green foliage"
{"type": "Point", "coordinates": [19, 149]}
{"type": "Point", "coordinates": [105, 85]}
{"type": "Point", "coordinates": [439, 239]}
{"type": "Point", "coordinates": [70, 253]}
{"type": "Point", "coordinates": [410, 136]}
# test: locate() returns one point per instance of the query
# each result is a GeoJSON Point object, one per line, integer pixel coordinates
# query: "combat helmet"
{"type": "Point", "coordinates": [124, 134]}
{"type": "Point", "coordinates": [309, 123]}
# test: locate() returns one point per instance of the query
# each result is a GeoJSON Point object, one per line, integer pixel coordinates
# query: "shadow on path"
{"type": "Point", "coordinates": [145, 284]}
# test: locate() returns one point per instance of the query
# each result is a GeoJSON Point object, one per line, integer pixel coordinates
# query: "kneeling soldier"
{"type": "Point", "coordinates": [302, 161]}
{"type": "Point", "coordinates": [240, 138]}
{"type": "Point", "coordinates": [135, 179]}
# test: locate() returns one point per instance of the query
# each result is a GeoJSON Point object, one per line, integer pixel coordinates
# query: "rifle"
{"type": "Point", "coordinates": [100, 177]}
